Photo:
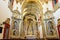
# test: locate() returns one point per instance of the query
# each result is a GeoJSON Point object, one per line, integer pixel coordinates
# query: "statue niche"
{"type": "Point", "coordinates": [30, 24]}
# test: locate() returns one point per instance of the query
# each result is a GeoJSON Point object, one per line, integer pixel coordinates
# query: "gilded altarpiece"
{"type": "Point", "coordinates": [50, 29]}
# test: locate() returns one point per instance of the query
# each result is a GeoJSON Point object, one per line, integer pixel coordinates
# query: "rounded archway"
{"type": "Point", "coordinates": [30, 24]}
{"type": "Point", "coordinates": [34, 7]}
{"type": "Point", "coordinates": [31, 11]}
{"type": "Point", "coordinates": [29, 14]}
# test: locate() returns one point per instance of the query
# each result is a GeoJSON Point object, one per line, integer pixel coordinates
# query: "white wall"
{"type": "Point", "coordinates": [4, 13]}
{"type": "Point", "coordinates": [56, 15]}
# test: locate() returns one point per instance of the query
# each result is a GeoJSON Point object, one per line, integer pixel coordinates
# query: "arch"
{"type": "Point", "coordinates": [28, 15]}
{"type": "Point", "coordinates": [37, 2]}
{"type": "Point", "coordinates": [33, 6]}
{"type": "Point", "coordinates": [29, 23]}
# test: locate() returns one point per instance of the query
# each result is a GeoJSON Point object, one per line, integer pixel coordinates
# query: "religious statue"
{"type": "Point", "coordinates": [16, 27]}
{"type": "Point", "coordinates": [58, 26]}
{"type": "Point", "coordinates": [50, 28]}
{"type": "Point", "coordinates": [6, 28]}
{"type": "Point", "coordinates": [30, 28]}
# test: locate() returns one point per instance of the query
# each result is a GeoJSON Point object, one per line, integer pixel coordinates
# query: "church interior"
{"type": "Point", "coordinates": [30, 19]}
